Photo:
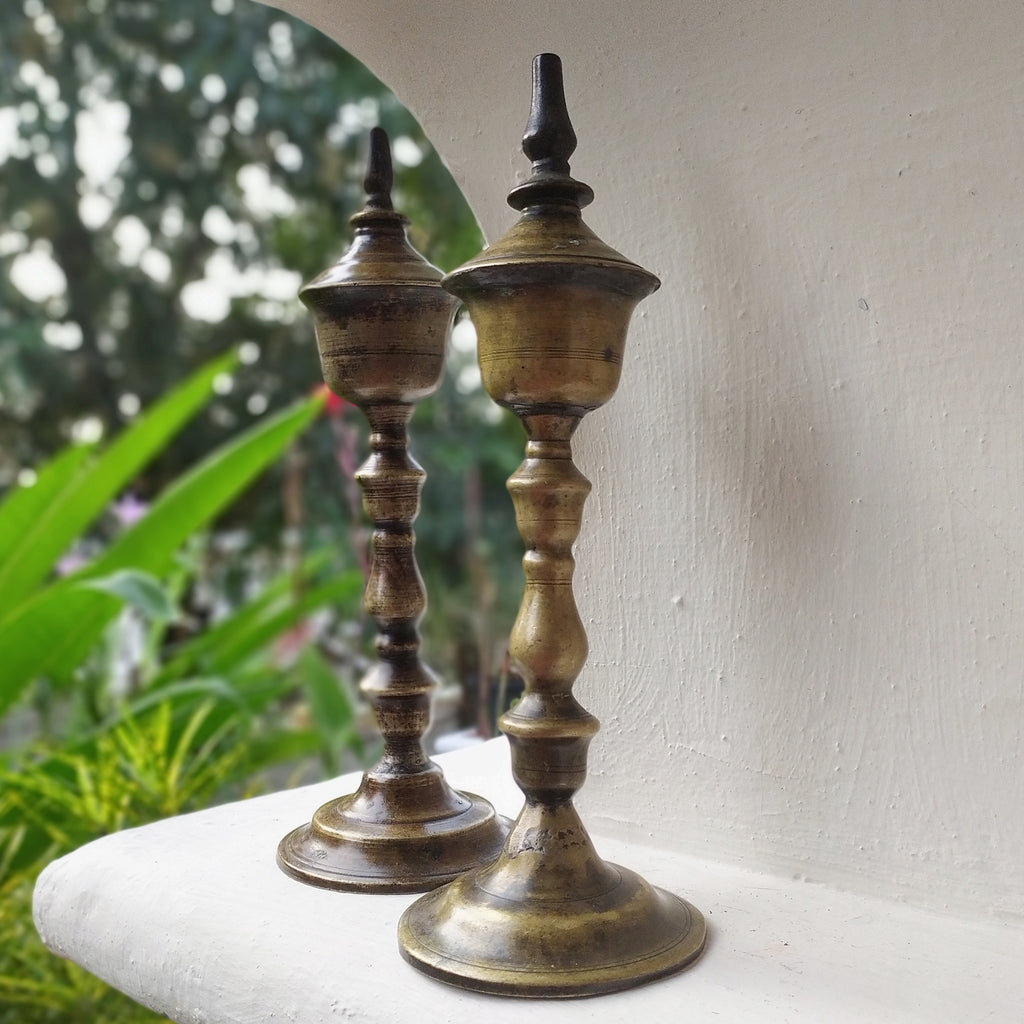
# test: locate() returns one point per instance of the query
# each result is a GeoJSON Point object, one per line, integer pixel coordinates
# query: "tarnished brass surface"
{"type": "Point", "coordinates": [382, 323]}
{"type": "Point", "coordinates": [551, 304]}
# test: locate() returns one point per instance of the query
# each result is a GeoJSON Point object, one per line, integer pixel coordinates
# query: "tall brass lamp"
{"type": "Point", "coordinates": [382, 323]}
{"type": "Point", "coordinates": [551, 305]}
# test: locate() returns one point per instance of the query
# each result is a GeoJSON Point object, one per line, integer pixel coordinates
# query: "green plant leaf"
{"type": "Point", "coordinates": [194, 653]}
{"type": "Point", "coordinates": [235, 648]}
{"type": "Point", "coordinates": [53, 631]}
{"type": "Point", "coordinates": [141, 590]}
{"type": "Point", "coordinates": [281, 746]}
{"type": "Point", "coordinates": [196, 497]}
{"type": "Point", "coordinates": [23, 507]}
{"type": "Point", "coordinates": [184, 694]}
{"type": "Point", "coordinates": [83, 495]}
{"type": "Point", "coordinates": [331, 704]}
{"type": "Point", "coordinates": [229, 643]}
{"type": "Point", "coordinates": [243, 696]}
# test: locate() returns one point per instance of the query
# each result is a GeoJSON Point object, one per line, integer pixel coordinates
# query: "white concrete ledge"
{"type": "Point", "coordinates": [192, 917]}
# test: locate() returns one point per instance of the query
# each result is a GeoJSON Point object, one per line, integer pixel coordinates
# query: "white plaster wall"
{"type": "Point", "coordinates": [801, 566]}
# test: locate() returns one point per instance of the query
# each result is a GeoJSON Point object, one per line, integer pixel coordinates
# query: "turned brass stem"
{"type": "Point", "coordinates": [548, 731]}
{"type": "Point", "coordinates": [399, 685]}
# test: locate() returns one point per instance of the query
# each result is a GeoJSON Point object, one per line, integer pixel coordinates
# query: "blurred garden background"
{"type": "Point", "coordinates": [182, 547]}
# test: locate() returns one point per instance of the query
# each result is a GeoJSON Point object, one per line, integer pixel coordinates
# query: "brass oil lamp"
{"type": "Point", "coordinates": [382, 323]}
{"type": "Point", "coordinates": [551, 305]}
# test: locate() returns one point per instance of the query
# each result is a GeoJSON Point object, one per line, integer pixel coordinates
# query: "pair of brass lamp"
{"type": "Point", "coordinates": [527, 909]}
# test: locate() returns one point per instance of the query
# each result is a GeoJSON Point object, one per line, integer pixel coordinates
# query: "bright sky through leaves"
{"type": "Point", "coordinates": [102, 145]}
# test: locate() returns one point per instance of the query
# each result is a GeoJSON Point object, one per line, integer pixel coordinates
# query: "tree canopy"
{"type": "Point", "coordinates": [170, 173]}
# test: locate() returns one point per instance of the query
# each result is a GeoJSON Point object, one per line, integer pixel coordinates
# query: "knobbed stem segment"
{"type": "Point", "coordinates": [548, 730]}
{"type": "Point", "coordinates": [399, 685]}
{"type": "Point", "coordinates": [549, 917]}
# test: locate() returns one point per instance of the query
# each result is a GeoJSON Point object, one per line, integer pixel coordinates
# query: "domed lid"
{"type": "Point", "coordinates": [380, 254]}
{"type": "Point", "coordinates": [550, 243]}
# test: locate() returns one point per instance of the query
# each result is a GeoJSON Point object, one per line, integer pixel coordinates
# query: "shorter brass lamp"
{"type": "Point", "coordinates": [551, 304]}
{"type": "Point", "coordinates": [382, 324]}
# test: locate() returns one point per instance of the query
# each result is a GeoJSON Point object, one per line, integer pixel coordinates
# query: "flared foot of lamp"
{"type": "Point", "coordinates": [632, 933]}
{"type": "Point", "coordinates": [347, 846]}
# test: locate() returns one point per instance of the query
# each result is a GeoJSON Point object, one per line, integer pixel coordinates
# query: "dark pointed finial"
{"type": "Point", "coordinates": [549, 140]}
{"type": "Point", "coordinates": [380, 175]}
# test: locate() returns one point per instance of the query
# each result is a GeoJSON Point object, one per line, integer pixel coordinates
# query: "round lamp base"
{"type": "Point", "coordinates": [626, 935]}
{"type": "Point", "coordinates": [350, 846]}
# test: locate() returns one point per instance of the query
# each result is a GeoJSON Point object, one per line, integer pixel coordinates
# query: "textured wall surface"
{"type": "Point", "coordinates": [801, 566]}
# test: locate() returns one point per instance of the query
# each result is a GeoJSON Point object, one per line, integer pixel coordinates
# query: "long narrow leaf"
{"type": "Point", "coordinates": [184, 694]}
{"type": "Point", "coordinates": [245, 695]}
{"type": "Point", "coordinates": [279, 747]}
{"type": "Point", "coordinates": [189, 504]}
{"type": "Point", "coordinates": [43, 628]}
{"type": "Point", "coordinates": [235, 650]}
{"type": "Point", "coordinates": [52, 632]}
{"type": "Point", "coordinates": [198, 496]}
{"type": "Point", "coordinates": [194, 652]}
{"type": "Point", "coordinates": [88, 492]}
{"type": "Point", "coordinates": [229, 644]}
{"type": "Point", "coordinates": [191, 652]}
{"type": "Point", "coordinates": [22, 507]}
{"type": "Point", "coordinates": [332, 705]}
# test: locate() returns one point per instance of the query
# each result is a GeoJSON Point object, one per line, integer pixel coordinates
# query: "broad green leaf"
{"type": "Point", "coordinates": [189, 504]}
{"type": "Point", "coordinates": [200, 494]}
{"type": "Point", "coordinates": [43, 628]}
{"type": "Point", "coordinates": [88, 492]}
{"type": "Point", "coordinates": [22, 507]}
{"type": "Point", "coordinates": [141, 590]}
{"type": "Point", "coordinates": [53, 631]}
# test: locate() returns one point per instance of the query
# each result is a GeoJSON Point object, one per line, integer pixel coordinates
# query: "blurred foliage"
{"type": "Point", "coordinates": [241, 141]}
{"type": "Point", "coordinates": [50, 622]}
{"type": "Point", "coordinates": [147, 706]}
{"type": "Point", "coordinates": [170, 172]}
{"type": "Point", "coordinates": [125, 633]}
{"type": "Point", "coordinates": [173, 172]}
{"type": "Point", "coordinates": [142, 769]}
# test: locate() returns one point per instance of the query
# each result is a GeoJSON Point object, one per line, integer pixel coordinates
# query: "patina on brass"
{"type": "Point", "coordinates": [382, 324]}
{"type": "Point", "coordinates": [549, 917]}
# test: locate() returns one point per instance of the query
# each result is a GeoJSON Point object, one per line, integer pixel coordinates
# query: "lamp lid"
{"type": "Point", "coordinates": [550, 232]}
{"type": "Point", "coordinates": [380, 254]}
